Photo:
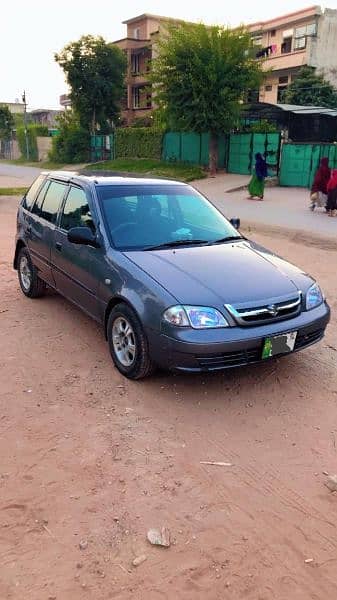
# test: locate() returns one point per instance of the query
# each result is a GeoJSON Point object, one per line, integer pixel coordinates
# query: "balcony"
{"type": "Point", "coordinates": [288, 60]}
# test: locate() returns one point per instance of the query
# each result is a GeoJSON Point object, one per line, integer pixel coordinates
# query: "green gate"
{"type": "Point", "coordinates": [299, 162]}
{"type": "Point", "coordinates": [244, 146]}
{"type": "Point", "coordinates": [193, 148]}
{"type": "Point", "coordinates": [102, 147]}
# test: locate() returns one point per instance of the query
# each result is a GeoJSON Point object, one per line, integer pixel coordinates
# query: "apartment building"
{"type": "Point", "coordinates": [306, 37]}
{"type": "Point", "coordinates": [284, 45]}
{"type": "Point", "coordinates": [139, 45]}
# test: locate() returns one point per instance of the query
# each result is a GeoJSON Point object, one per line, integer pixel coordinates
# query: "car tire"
{"type": "Point", "coordinates": [30, 283]}
{"type": "Point", "coordinates": [128, 343]}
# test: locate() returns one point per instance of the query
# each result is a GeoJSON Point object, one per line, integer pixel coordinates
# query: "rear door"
{"type": "Point", "coordinates": [40, 226]}
{"type": "Point", "coordinates": [77, 269]}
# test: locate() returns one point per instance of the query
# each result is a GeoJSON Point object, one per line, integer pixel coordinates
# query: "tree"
{"type": "Point", "coordinates": [95, 72]}
{"type": "Point", "coordinates": [310, 89]}
{"type": "Point", "coordinates": [200, 76]}
{"type": "Point", "coordinates": [72, 143]}
{"type": "Point", "coordinates": [6, 122]}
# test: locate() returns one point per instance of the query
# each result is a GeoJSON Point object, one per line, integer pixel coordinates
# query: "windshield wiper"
{"type": "Point", "coordinates": [229, 238]}
{"type": "Point", "coordinates": [175, 243]}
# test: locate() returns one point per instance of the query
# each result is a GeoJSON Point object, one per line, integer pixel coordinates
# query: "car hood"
{"type": "Point", "coordinates": [230, 273]}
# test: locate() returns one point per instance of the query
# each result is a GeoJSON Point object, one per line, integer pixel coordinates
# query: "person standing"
{"type": "Point", "coordinates": [318, 194]}
{"type": "Point", "coordinates": [256, 184]}
{"type": "Point", "coordinates": [332, 194]}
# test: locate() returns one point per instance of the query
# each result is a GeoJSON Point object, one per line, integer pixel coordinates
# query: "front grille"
{"type": "Point", "coordinates": [230, 359]}
{"type": "Point", "coordinates": [306, 339]}
{"type": "Point", "coordinates": [267, 313]}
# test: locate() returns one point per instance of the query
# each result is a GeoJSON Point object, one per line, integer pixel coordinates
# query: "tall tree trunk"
{"type": "Point", "coordinates": [213, 152]}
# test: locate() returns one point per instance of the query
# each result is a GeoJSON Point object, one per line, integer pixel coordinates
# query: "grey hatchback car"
{"type": "Point", "coordinates": [171, 280]}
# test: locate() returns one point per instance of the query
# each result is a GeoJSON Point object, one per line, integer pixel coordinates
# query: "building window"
{"type": "Point", "coordinates": [273, 33]}
{"type": "Point", "coordinates": [281, 90]}
{"type": "Point", "coordinates": [268, 88]}
{"type": "Point", "coordinates": [257, 40]}
{"type": "Point", "coordinates": [252, 96]}
{"type": "Point", "coordinates": [283, 79]}
{"type": "Point", "coordinates": [286, 46]}
{"type": "Point", "coordinates": [148, 101]}
{"type": "Point", "coordinates": [136, 33]}
{"type": "Point", "coordinates": [136, 97]}
{"type": "Point", "coordinates": [300, 43]}
{"type": "Point", "coordinates": [135, 64]}
{"type": "Point", "coordinates": [301, 34]}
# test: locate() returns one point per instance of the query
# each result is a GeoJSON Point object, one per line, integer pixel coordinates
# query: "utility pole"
{"type": "Point", "coordinates": [25, 123]}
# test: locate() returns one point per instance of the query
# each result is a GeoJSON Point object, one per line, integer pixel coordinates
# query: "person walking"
{"type": "Point", "coordinates": [318, 194]}
{"type": "Point", "coordinates": [332, 194]}
{"type": "Point", "coordinates": [256, 184]}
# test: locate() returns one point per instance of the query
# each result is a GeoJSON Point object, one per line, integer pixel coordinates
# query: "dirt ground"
{"type": "Point", "coordinates": [90, 461]}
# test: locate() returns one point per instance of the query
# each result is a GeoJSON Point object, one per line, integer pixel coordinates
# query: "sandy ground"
{"type": "Point", "coordinates": [90, 459]}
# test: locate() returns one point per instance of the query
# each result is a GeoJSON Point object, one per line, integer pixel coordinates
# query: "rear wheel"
{"type": "Point", "coordinates": [30, 283]}
{"type": "Point", "coordinates": [128, 343]}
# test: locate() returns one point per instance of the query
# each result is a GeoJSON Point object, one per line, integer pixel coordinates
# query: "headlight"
{"type": "Point", "coordinates": [198, 317]}
{"type": "Point", "coordinates": [314, 297]}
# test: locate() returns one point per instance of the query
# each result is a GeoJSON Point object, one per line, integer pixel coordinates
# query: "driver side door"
{"type": "Point", "coordinates": [76, 267]}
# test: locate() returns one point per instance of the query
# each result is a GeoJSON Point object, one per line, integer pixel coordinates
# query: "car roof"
{"type": "Point", "coordinates": [109, 178]}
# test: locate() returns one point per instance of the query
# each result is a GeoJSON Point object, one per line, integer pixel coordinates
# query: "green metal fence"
{"type": "Point", "coordinates": [244, 146]}
{"type": "Point", "coordinates": [299, 162]}
{"type": "Point", "coordinates": [102, 147]}
{"type": "Point", "coordinates": [193, 148]}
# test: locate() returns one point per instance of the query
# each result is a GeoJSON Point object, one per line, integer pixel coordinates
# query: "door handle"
{"type": "Point", "coordinates": [58, 246]}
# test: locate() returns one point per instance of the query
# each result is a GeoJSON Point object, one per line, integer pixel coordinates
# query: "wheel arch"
{"type": "Point", "coordinates": [19, 245]}
{"type": "Point", "coordinates": [111, 304]}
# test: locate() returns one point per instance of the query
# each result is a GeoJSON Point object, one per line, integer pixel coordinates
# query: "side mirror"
{"type": "Point", "coordinates": [82, 235]}
{"type": "Point", "coordinates": [235, 221]}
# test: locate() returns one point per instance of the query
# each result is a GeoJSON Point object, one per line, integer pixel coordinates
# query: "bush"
{"type": "Point", "coordinates": [262, 126]}
{"type": "Point", "coordinates": [32, 144]}
{"type": "Point", "coordinates": [72, 144]}
{"type": "Point", "coordinates": [143, 142]}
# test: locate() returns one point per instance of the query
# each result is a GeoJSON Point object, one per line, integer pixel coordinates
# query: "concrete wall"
{"type": "Point", "coordinates": [322, 51]}
{"type": "Point", "coordinates": [43, 147]}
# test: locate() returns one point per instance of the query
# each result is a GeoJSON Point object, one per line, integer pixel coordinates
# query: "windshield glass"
{"type": "Point", "coordinates": [141, 216]}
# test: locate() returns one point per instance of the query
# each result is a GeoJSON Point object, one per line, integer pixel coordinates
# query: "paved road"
{"type": "Point", "coordinates": [282, 207]}
{"type": "Point", "coordinates": [17, 175]}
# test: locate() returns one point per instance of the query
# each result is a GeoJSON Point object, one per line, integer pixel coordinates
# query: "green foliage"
{"type": "Point", "coordinates": [95, 72]}
{"type": "Point", "coordinates": [310, 89]}
{"type": "Point", "coordinates": [72, 144]}
{"type": "Point", "coordinates": [201, 74]}
{"type": "Point", "coordinates": [6, 122]}
{"type": "Point", "coordinates": [152, 168]}
{"type": "Point", "coordinates": [262, 126]}
{"type": "Point", "coordinates": [32, 143]}
{"type": "Point", "coordinates": [143, 142]}
{"type": "Point", "coordinates": [41, 130]}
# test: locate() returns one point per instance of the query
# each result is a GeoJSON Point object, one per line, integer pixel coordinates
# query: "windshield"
{"type": "Point", "coordinates": [142, 216]}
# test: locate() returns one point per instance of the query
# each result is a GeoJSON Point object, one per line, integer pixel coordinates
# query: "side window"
{"type": "Point", "coordinates": [76, 212]}
{"type": "Point", "coordinates": [36, 210]}
{"type": "Point", "coordinates": [52, 201]}
{"type": "Point", "coordinates": [28, 199]}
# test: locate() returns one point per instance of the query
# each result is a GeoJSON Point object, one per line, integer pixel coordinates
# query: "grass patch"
{"type": "Point", "coordinates": [48, 165]}
{"type": "Point", "coordinates": [150, 167]}
{"type": "Point", "coordinates": [13, 191]}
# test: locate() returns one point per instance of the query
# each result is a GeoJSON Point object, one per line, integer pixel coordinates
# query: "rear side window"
{"type": "Point", "coordinates": [52, 201]}
{"type": "Point", "coordinates": [76, 211]}
{"type": "Point", "coordinates": [30, 196]}
{"type": "Point", "coordinates": [36, 210]}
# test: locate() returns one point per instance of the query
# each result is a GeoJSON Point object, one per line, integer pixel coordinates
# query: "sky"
{"type": "Point", "coordinates": [33, 30]}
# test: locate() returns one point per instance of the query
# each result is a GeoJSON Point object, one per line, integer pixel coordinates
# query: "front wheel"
{"type": "Point", "coordinates": [30, 283]}
{"type": "Point", "coordinates": [128, 343]}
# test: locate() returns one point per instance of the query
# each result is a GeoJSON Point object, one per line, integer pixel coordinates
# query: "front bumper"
{"type": "Point", "coordinates": [217, 349]}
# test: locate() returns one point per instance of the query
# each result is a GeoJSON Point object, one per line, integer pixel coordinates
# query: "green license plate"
{"type": "Point", "coordinates": [279, 344]}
